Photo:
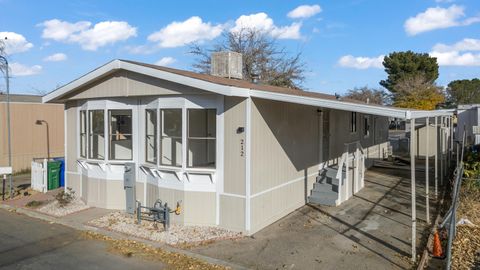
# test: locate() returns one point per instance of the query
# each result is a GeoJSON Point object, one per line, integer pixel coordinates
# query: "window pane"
{"type": "Point", "coordinates": [120, 134]}
{"type": "Point", "coordinates": [96, 134]}
{"type": "Point", "coordinates": [201, 123]}
{"type": "Point", "coordinates": [83, 134]}
{"type": "Point", "coordinates": [201, 137]}
{"type": "Point", "coordinates": [172, 122]}
{"type": "Point", "coordinates": [171, 137]}
{"type": "Point", "coordinates": [366, 130]}
{"type": "Point", "coordinates": [151, 136]}
{"type": "Point", "coordinates": [201, 153]}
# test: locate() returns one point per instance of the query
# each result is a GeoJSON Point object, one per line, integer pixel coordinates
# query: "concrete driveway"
{"type": "Point", "coordinates": [370, 231]}
{"type": "Point", "coordinates": [28, 243]}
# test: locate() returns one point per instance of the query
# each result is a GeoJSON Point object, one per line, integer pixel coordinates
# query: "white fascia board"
{"type": "Point", "coordinates": [164, 75]}
{"type": "Point", "coordinates": [332, 104]}
{"type": "Point", "coordinates": [109, 67]}
{"type": "Point", "coordinates": [424, 114]}
{"type": "Point", "coordinates": [181, 79]}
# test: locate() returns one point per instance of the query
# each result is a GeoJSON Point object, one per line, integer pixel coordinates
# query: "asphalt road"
{"type": "Point", "coordinates": [28, 243]}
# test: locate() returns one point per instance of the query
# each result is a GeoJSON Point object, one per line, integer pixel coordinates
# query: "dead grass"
{"type": "Point", "coordinates": [172, 260]}
{"type": "Point", "coordinates": [466, 247]}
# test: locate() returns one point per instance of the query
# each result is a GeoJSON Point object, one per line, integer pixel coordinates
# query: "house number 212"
{"type": "Point", "coordinates": [242, 147]}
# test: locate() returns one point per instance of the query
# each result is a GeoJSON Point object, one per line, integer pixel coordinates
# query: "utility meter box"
{"type": "Point", "coordinates": [129, 178]}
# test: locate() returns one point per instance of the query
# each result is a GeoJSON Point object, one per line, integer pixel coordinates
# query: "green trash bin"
{"type": "Point", "coordinates": [53, 174]}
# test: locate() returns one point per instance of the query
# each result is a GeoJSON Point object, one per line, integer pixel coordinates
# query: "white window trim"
{"type": "Point", "coordinates": [106, 106]}
{"type": "Point", "coordinates": [185, 103]}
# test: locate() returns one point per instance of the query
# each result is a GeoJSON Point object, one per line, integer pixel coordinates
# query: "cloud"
{"type": "Point", "coordinates": [56, 57]}
{"type": "Point", "coordinates": [262, 22]}
{"type": "Point", "coordinates": [455, 58]}
{"type": "Point", "coordinates": [87, 36]}
{"type": "Point", "coordinates": [19, 70]}
{"type": "Point", "coordinates": [350, 61]}
{"type": "Point", "coordinates": [467, 44]}
{"type": "Point", "coordinates": [462, 53]}
{"type": "Point", "coordinates": [438, 18]}
{"type": "Point", "coordinates": [166, 61]}
{"type": "Point", "coordinates": [178, 34]}
{"type": "Point", "coordinates": [304, 11]}
{"type": "Point", "coordinates": [15, 43]}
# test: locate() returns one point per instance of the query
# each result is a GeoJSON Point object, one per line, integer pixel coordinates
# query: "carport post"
{"type": "Point", "coordinates": [412, 173]}
{"type": "Point", "coordinates": [442, 139]}
{"type": "Point", "coordinates": [427, 172]}
{"type": "Point", "coordinates": [436, 157]}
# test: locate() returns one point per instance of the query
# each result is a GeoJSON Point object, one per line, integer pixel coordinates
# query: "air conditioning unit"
{"type": "Point", "coordinates": [227, 65]}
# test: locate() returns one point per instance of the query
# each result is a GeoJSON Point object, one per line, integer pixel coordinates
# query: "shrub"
{"type": "Point", "coordinates": [65, 197]}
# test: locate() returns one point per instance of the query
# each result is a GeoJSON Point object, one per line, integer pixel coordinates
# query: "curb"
{"type": "Point", "coordinates": [120, 236]}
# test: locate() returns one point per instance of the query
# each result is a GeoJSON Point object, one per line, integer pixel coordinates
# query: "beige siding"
{"type": "Point", "coordinates": [72, 133]}
{"type": "Point", "coordinates": [74, 182]}
{"type": "Point", "coordinates": [286, 153]}
{"type": "Point", "coordinates": [139, 191]}
{"type": "Point", "coordinates": [284, 143]}
{"type": "Point", "coordinates": [271, 206]}
{"type": "Point", "coordinates": [126, 83]}
{"type": "Point", "coordinates": [232, 213]}
{"type": "Point", "coordinates": [422, 141]}
{"type": "Point", "coordinates": [199, 208]}
{"type": "Point", "coordinates": [29, 140]}
{"type": "Point", "coordinates": [234, 168]}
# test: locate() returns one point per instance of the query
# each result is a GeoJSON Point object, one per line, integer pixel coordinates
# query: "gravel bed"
{"type": "Point", "coordinates": [54, 209]}
{"type": "Point", "coordinates": [176, 235]}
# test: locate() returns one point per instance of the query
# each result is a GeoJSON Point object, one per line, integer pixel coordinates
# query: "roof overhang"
{"type": "Point", "coordinates": [109, 68]}
{"type": "Point", "coordinates": [56, 95]}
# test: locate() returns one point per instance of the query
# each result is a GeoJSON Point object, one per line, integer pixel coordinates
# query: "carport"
{"type": "Point", "coordinates": [440, 120]}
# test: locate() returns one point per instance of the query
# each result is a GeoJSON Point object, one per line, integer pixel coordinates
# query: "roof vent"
{"type": "Point", "coordinates": [226, 64]}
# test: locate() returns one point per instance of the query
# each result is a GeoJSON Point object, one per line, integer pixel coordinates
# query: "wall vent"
{"type": "Point", "coordinates": [227, 64]}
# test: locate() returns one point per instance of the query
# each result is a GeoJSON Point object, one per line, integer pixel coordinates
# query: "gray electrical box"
{"type": "Point", "coordinates": [129, 187]}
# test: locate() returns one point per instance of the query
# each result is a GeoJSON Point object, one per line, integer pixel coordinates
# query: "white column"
{"type": "Point", "coordinates": [441, 150]}
{"type": "Point", "coordinates": [248, 142]}
{"type": "Point", "coordinates": [436, 157]}
{"type": "Point", "coordinates": [427, 172]}
{"type": "Point", "coordinates": [412, 173]}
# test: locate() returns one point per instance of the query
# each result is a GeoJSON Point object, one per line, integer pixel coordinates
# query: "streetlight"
{"type": "Point", "coordinates": [8, 121]}
{"type": "Point", "coordinates": [39, 122]}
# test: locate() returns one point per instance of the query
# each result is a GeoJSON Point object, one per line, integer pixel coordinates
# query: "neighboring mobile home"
{"type": "Point", "coordinates": [236, 154]}
{"type": "Point", "coordinates": [29, 139]}
{"type": "Point", "coordinates": [468, 119]}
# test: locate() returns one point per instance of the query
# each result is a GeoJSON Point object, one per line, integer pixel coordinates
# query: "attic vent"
{"type": "Point", "coordinates": [226, 64]}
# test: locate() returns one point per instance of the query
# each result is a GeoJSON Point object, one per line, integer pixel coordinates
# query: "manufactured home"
{"type": "Point", "coordinates": [234, 154]}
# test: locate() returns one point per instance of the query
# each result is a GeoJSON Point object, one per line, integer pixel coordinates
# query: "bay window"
{"type": "Point", "coordinates": [171, 137]}
{"type": "Point", "coordinates": [120, 134]}
{"type": "Point", "coordinates": [201, 138]}
{"type": "Point", "coordinates": [151, 136]}
{"type": "Point", "coordinates": [96, 132]}
{"type": "Point", "coordinates": [83, 134]}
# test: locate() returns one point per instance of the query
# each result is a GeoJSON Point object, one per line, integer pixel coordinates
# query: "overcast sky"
{"type": "Point", "coordinates": [343, 42]}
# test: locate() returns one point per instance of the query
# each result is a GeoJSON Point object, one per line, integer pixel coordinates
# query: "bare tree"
{"type": "Point", "coordinates": [368, 95]}
{"type": "Point", "coordinates": [263, 58]}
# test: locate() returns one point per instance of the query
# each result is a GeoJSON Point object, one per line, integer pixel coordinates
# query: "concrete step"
{"type": "Point", "coordinates": [324, 194]}
{"type": "Point", "coordinates": [327, 175]}
{"type": "Point", "coordinates": [329, 200]}
{"type": "Point", "coordinates": [325, 187]}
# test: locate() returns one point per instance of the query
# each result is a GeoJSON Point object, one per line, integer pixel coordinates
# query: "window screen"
{"type": "Point", "coordinates": [96, 134]}
{"type": "Point", "coordinates": [201, 138]}
{"type": "Point", "coordinates": [151, 136]}
{"type": "Point", "coordinates": [120, 134]}
{"type": "Point", "coordinates": [171, 137]}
